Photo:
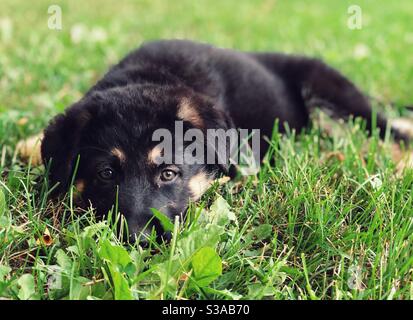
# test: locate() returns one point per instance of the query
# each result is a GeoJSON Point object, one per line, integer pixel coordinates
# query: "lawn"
{"type": "Point", "coordinates": [331, 218]}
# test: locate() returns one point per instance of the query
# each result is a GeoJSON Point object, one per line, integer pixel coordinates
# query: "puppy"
{"type": "Point", "coordinates": [105, 140]}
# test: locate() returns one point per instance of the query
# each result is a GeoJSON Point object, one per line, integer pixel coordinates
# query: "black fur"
{"type": "Point", "coordinates": [141, 93]}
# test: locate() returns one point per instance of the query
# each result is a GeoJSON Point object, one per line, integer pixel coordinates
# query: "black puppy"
{"type": "Point", "coordinates": [109, 131]}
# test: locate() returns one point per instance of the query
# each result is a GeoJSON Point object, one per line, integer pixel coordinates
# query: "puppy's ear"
{"type": "Point", "coordinates": [202, 114]}
{"type": "Point", "coordinates": [225, 130]}
{"type": "Point", "coordinates": [60, 145]}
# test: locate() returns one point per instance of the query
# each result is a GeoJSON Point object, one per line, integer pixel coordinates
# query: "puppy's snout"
{"type": "Point", "coordinates": [143, 237]}
{"type": "Point", "coordinates": [143, 228]}
{"type": "Point", "coordinates": [145, 240]}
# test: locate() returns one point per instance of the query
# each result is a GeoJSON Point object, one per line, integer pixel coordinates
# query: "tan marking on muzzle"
{"type": "Point", "coordinates": [80, 185]}
{"type": "Point", "coordinates": [79, 188]}
{"type": "Point", "coordinates": [30, 149]}
{"type": "Point", "coordinates": [198, 184]}
{"type": "Point", "coordinates": [118, 154]}
{"type": "Point", "coordinates": [188, 112]}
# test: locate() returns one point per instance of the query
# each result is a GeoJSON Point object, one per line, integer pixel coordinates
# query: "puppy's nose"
{"type": "Point", "coordinates": [143, 242]}
{"type": "Point", "coordinates": [144, 238]}
{"type": "Point", "coordinates": [141, 236]}
{"type": "Point", "coordinates": [165, 237]}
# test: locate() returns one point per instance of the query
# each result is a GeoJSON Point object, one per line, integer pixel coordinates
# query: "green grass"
{"type": "Point", "coordinates": [316, 224]}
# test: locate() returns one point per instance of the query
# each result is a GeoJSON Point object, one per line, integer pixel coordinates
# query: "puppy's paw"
{"type": "Point", "coordinates": [29, 149]}
{"type": "Point", "coordinates": [403, 125]}
{"type": "Point", "coordinates": [402, 158]}
{"type": "Point", "coordinates": [223, 180]}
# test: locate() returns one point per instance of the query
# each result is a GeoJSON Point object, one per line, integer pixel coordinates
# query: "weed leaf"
{"type": "Point", "coordinates": [115, 254]}
{"type": "Point", "coordinates": [27, 286]}
{"type": "Point", "coordinates": [220, 212]}
{"type": "Point", "coordinates": [163, 219]}
{"type": "Point", "coordinates": [207, 266]}
{"type": "Point", "coordinates": [121, 286]}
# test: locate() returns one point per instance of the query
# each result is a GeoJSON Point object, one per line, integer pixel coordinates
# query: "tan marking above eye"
{"type": "Point", "coordinates": [118, 154]}
{"type": "Point", "coordinates": [188, 112]}
{"type": "Point", "coordinates": [198, 184]}
{"type": "Point", "coordinates": [155, 154]}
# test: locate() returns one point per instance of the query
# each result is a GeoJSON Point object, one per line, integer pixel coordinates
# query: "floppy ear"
{"type": "Point", "coordinates": [60, 145]}
{"type": "Point", "coordinates": [218, 119]}
{"type": "Point", "coordinates": [202, 114]}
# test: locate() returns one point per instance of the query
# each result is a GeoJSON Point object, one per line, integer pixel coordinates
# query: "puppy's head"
{"type": "Point", "coordinates": [108, 138]}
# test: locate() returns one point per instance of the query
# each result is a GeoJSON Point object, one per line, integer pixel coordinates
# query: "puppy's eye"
{"type": "Point", "coordinates": [168, 175]}
{"type": "Point", "coordinates": [106, 174]}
